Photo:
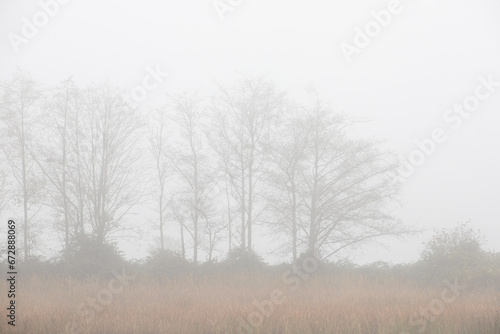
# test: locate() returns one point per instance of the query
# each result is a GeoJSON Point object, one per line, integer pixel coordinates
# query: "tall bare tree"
{"type": "Point", "coordinates": [191, 164]}
{"type": "Point", "coordinates": [54, 154]}
{"type": "Point", "coordinates": [158, 136]}
{"type": "Point", "coordinates": [4, 185]}
{"type": "Point", "coordinates": [286, 152]}
{"type": "Point", "coordinates": [110, 159]}
{"type": "Point", "coordinates": [242, 116]}
{"type": "Point", "coordinates": [348, 184]}
{"type": "Point", "coordinates": [19, 110]}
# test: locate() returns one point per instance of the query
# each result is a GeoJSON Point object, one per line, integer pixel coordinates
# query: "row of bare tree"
{"type": "Point", "coordinates": [214, 167]}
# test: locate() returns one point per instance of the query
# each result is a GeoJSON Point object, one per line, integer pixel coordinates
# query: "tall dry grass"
{"type": "Point", "coordinates": [321, 304]}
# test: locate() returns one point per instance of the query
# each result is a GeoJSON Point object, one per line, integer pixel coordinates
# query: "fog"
{"type": "Point", "coordinates": [350, 131]}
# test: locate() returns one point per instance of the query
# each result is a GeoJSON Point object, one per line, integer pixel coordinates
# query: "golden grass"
{"type": "Point", "coordinates": [321, 304]}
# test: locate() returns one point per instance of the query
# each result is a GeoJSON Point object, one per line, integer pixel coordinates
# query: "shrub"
{"type": "Point", "coordinates": [244, 259]}
{"type": "Point", "coordinates": [455, 253]}
{"type": "Point", "coordinates": [88, 257]}
{"type": "Point", "coordinates": [166, 263]}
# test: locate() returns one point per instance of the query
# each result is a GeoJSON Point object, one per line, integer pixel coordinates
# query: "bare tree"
{"type": "Point", "coordinates": [347, 184]}
{"type": "Point", "coordinates": [286, 152]}
{"type": "Point", "coordinates": [158, 143]}
{"type": "Point", "coordinates": [230, 213]}
{"type": "Point", "coordinates": [110, 160]}
{"type": "Point", "coordinates": [4, 186]}
{"type": "Point", "coordinates": [19, 110]}
{"type": "Point", "coordinates": [242, 117]}
{"type": "Point", "coordinates": [191, 164]}
{"type": "Point", "coordinates": [54, 154]}
{"type": "Point", "coordinates": [76, 166]}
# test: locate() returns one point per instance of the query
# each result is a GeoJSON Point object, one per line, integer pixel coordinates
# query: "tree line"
{"type": "Point", "coordinates": [84, 162]}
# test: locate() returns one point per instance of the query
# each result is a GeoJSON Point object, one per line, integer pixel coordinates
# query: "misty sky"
{"type": "Point", "coordinates": [426, 60]}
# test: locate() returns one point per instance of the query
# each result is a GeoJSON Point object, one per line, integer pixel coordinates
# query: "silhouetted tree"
{"type": "Point", "coordinates": [110, 159]}
{"type": "Point", "coordinates": [19, 109]}
{"type": "Point", "coordinates": [345, 184]}
{"type": "Point", "coordinates": [286, 152]}
{"type": "Point", "coordinates": [241, 120]}
{"type": "Point", "coordinates": [192, 165]}
{"type": "Point", "coordinates": [158, 135]}
{"type": "Point", "coordinates": [54, 155]}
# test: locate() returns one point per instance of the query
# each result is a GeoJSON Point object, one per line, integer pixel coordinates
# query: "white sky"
{"type": "Point", "coordinates": [425, 61]}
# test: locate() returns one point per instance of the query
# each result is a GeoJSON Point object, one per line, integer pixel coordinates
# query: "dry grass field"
{"type": "Point", "coordinates": [221, 304]}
